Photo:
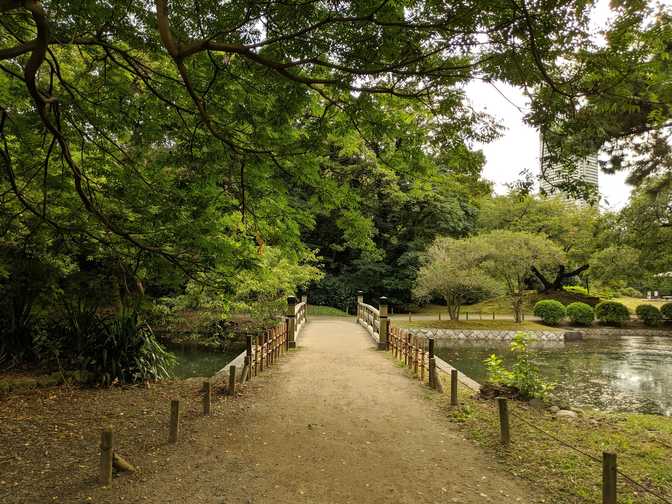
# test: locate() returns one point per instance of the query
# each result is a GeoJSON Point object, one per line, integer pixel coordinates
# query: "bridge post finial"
{"type": "Point", "coordinates": [291, 322]}
{"type": "Point", "coordinates": [383, 331]}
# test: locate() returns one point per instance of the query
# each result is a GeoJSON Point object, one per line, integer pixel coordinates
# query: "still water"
{"type": "Point", "coordinates": [195, 361]}
{"type": "Point", "coordinates": [616, 374]}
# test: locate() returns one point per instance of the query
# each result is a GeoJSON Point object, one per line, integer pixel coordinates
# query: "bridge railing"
{"type": "Point", "coordinates": [296, 319]}
{"type": "Point", "coordinates": [374, 320]}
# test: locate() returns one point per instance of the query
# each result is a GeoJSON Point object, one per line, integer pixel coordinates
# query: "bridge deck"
{"type": "Point", "coordinates": [335, 422]}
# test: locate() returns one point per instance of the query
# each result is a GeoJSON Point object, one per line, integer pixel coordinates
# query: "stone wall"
{"type": "Point", "coordinates": [473, 334]}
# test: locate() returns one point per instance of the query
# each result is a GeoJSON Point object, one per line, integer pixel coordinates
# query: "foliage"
{"type": "Point", "coordinates": [576, 289]}
{"type": "Point", "coordinates": [616, 266]}
{"type": "Point", "coordinates": [666, 311]}
{"type": "Point", "coordinates": [508, 256]}
{"type": "Point", "coordinates": [612, 312]}
{"type": "Point", "coordinates": [631, 292]}
{"type": "Point", "coordinates": [649, 314]}
{"type": "Point", "coordinates": [581, 313]}
{"type": "Point", "coordinates": [524, 375]}
{"type": "Point", "coordinates": [452, 272]}
{"type": "Point", "coordinates": [550, 311]}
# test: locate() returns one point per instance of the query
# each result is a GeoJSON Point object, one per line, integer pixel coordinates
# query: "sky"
{"type": "Point", "coordinates": [518, 147]}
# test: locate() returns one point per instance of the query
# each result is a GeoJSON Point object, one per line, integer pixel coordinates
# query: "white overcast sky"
{"type": "Point", "coordinates": [518, 147]}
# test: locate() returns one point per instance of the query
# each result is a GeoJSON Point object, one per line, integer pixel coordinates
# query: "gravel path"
{"type": "Point", "coordinates": [335, 422]}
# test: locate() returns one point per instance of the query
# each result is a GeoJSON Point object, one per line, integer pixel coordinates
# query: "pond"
{"type": "Point", "coordinates": [632, 374]}
{"type": "Point", "coordinates": [195, 361]}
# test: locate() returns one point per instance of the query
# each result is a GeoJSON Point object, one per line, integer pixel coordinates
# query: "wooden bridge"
{"type": "Point", "coordinates": [335, 421]}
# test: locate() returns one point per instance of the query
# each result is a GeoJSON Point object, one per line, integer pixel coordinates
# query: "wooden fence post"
{"type": "Point", "coordinates": [453, 387]}
{"type": "Point", "coordinates": [432, 363]}
{"type": "Point", "coordinates": [304, 299]}
{"type": "Point", "coordinates": [609, 476]}
{"type": "Point", "coordinates": [503, 408]}
{"type": "Point", "coordinates": [207, 397]}
{"type": "Point", "coordinates": [291, 322]}
{"type": "Point", "coordinates": [106, 455]}
{"type": "Point", "coordinates": [439, 315]}
{"type": "Point", "coordinates": [383, 328]}
{"type": "Point", "coordinates": [174, 432]}
{"type": "Point", "coordinates": [232, 380]}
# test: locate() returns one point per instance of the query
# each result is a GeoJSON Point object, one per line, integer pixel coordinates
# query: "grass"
{"type": "Point", "coordinates": [489, 325]}
{"type": "Point", "coordinates": [643, 444]}
{"type": "Point", "coordinates": [633, 303]}
{"type": "Point", "coordinates": [325, 311]}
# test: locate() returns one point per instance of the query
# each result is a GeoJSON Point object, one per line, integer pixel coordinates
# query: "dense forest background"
{"type": "Point", "coordinates": [165, 159]}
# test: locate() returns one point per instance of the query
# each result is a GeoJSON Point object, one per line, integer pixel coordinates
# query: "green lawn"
{"type": "Point", "coordinates": [643, 444]}
{"type": "Point", "coordinates": [325, 311]}
{"type": "Point", "coordinates": [633, 303]}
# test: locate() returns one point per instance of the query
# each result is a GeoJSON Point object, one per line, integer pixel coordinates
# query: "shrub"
{"type": "Point", "coordinates": [550, 311]}
{"type": "Point", "coordinates": [576, 289]}
{"type": "Point", "coordinates": [580, 313]}
{"type": "Point", "coordinates": [524, 375]}
{"type": "Point", "coordinates": [631, 292]}
{"type": "Point", "coordinates": [612, 312]}
{"type": "Point", "coordinates": [649, 314]}
{"type": "Point", "coordinates": [666, 311]}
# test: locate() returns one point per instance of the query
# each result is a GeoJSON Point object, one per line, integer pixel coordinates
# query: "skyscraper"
{"type": "Point", "coordinates": [587, 170]}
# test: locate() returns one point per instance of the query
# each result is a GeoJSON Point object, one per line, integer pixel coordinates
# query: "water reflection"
{"type": "Point", "coordinates": [615, 374]}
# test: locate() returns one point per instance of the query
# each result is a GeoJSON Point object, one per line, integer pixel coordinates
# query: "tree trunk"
{"type": "Point", "coordinates": [560, 276]}
{"type": "Point", "coordinates": [517, 304]}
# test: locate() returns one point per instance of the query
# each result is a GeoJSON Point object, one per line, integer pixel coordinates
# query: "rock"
{"type": "Point", "coordinates": [566, 414]}
{"type": "Point", "coordinates": [573, 336]}
{"type": "Point", "coordinates": [537, 404]}
{"type": "Point", "coordinates": [553, 409]}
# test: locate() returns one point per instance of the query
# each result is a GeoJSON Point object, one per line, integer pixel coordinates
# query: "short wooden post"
{"type": "Point", "coordinates": [174, 431]}
{"type": "Point", "coordinates": [383, 328]}
{"type": "Point", "coordinates": [467, 315]}
{"type": "Point", "coordinates": [432, 372]}
{"type": "Point", "coordinates": [493, 315]}
{"type": "Point", "coordinates": [232, 380]}
{"type": "Point", "coordinates": [609, 476]}
{"type": "Point", "coordinates": [439, 316]}
{"type": "Point", "coordinates": [291, 322]}
{"type": "Point", "coordinates": [409, 316]}
{"type": "Point", "coordinates": [106, 455]}
{"type": "Point", "coordinates": [207, 397]}
{"type": "Point", "coordinates": [245, 375]}
{"type": "Point", "coordinates": [503, 408]}
{"type": "Point", "coordinates": [453, 387]}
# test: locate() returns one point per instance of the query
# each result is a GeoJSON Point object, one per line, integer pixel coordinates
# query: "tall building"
{"type": "Point", "coordinates": [587, 170]}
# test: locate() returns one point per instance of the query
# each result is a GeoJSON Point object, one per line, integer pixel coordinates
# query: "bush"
{"type": "Point", "coordinates": [631, 292]}
{"type": "Point", "coordinates": [550, 311]}
{"type": "Point", "coordinates": [524, 376]}
{"type": "Point", "coordinates": [612, 312]}
{"type": "Point", "coordinates": [649, 314]}
{"type": "Point", "coordinates": [666, 311]}
{"type": "Point", "coordinates": [580, 313]}
{"type": "Point", "coordinates": [576, 289]}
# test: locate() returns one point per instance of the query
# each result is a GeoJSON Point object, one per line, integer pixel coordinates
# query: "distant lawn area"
{"type": "Point", "coordinates": [325, 311]}
{"type": "Point", "coordinates": [487, 325]}
{"type": "Point", "coordinates": [502, 305]}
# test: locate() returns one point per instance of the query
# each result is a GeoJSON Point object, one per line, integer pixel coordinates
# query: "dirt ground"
{"type": "Point", "coordinates": [333, 422]}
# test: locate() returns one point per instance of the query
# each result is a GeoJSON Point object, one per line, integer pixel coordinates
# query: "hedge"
{"type": "Point", "coordinates": [612, 312]}
{"type": "Point", "coordinates": [666, 311]}
{"type": "Point", "coordinates": [649, 314]}
{"type": "Point", "coordinates": [550, 311]}
{"type": "Point", "coordinates": [580, 313]}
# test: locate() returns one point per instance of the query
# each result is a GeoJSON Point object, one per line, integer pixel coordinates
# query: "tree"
{"type": "Point", "coordinates": [508, 257]}
{"type": "Point", "coordinates": [570, 225]}
{"type": "Point", "coordinates": [451, 271]}
{"type": "Point", "coordinates": [617, 266]}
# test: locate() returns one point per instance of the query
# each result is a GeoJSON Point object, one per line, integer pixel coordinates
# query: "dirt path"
{"type": "Point", "coordinates": [335, 422]}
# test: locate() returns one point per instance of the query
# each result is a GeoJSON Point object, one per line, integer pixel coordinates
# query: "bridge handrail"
{"type": "Point", "coordinates": [374, 320]}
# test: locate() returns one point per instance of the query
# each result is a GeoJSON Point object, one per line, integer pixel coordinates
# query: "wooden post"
{"type": "Point", "coordinates": [383, 328]}
{"type": "Point", "coordinates": [291, 322]}
{"type": "Point", "coordinates": [207, 397]}
{"type": "Point", "coordinates": [503, 408]}
{"type": "Point", "coordinates": [232, 380]}
{"type": "Point", "coordinates": [493, 315]}
{"type": "Point", "coordinates": [304, 299]}
{"type": "Point", "coordinates": [106, 456]}
{"type": "Point", "coordinates": [245, 375]}
{"type": "Point", "coordinates": [609, 476]}
{"type": "Point", "coordinates": [409, 316]}
{"type": "Point", "coordinates": [432, 371]}
{"type": "Point", "coordinates": [174, 432]}
{"type": "Point", "coordinates": [360, 300]}
{"type": "Point", "coordinates": [467, 315]}
{"type": "Point", "coordinates": [439, 315]}
{"type": "Point", "coordinates": [453, 387]}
